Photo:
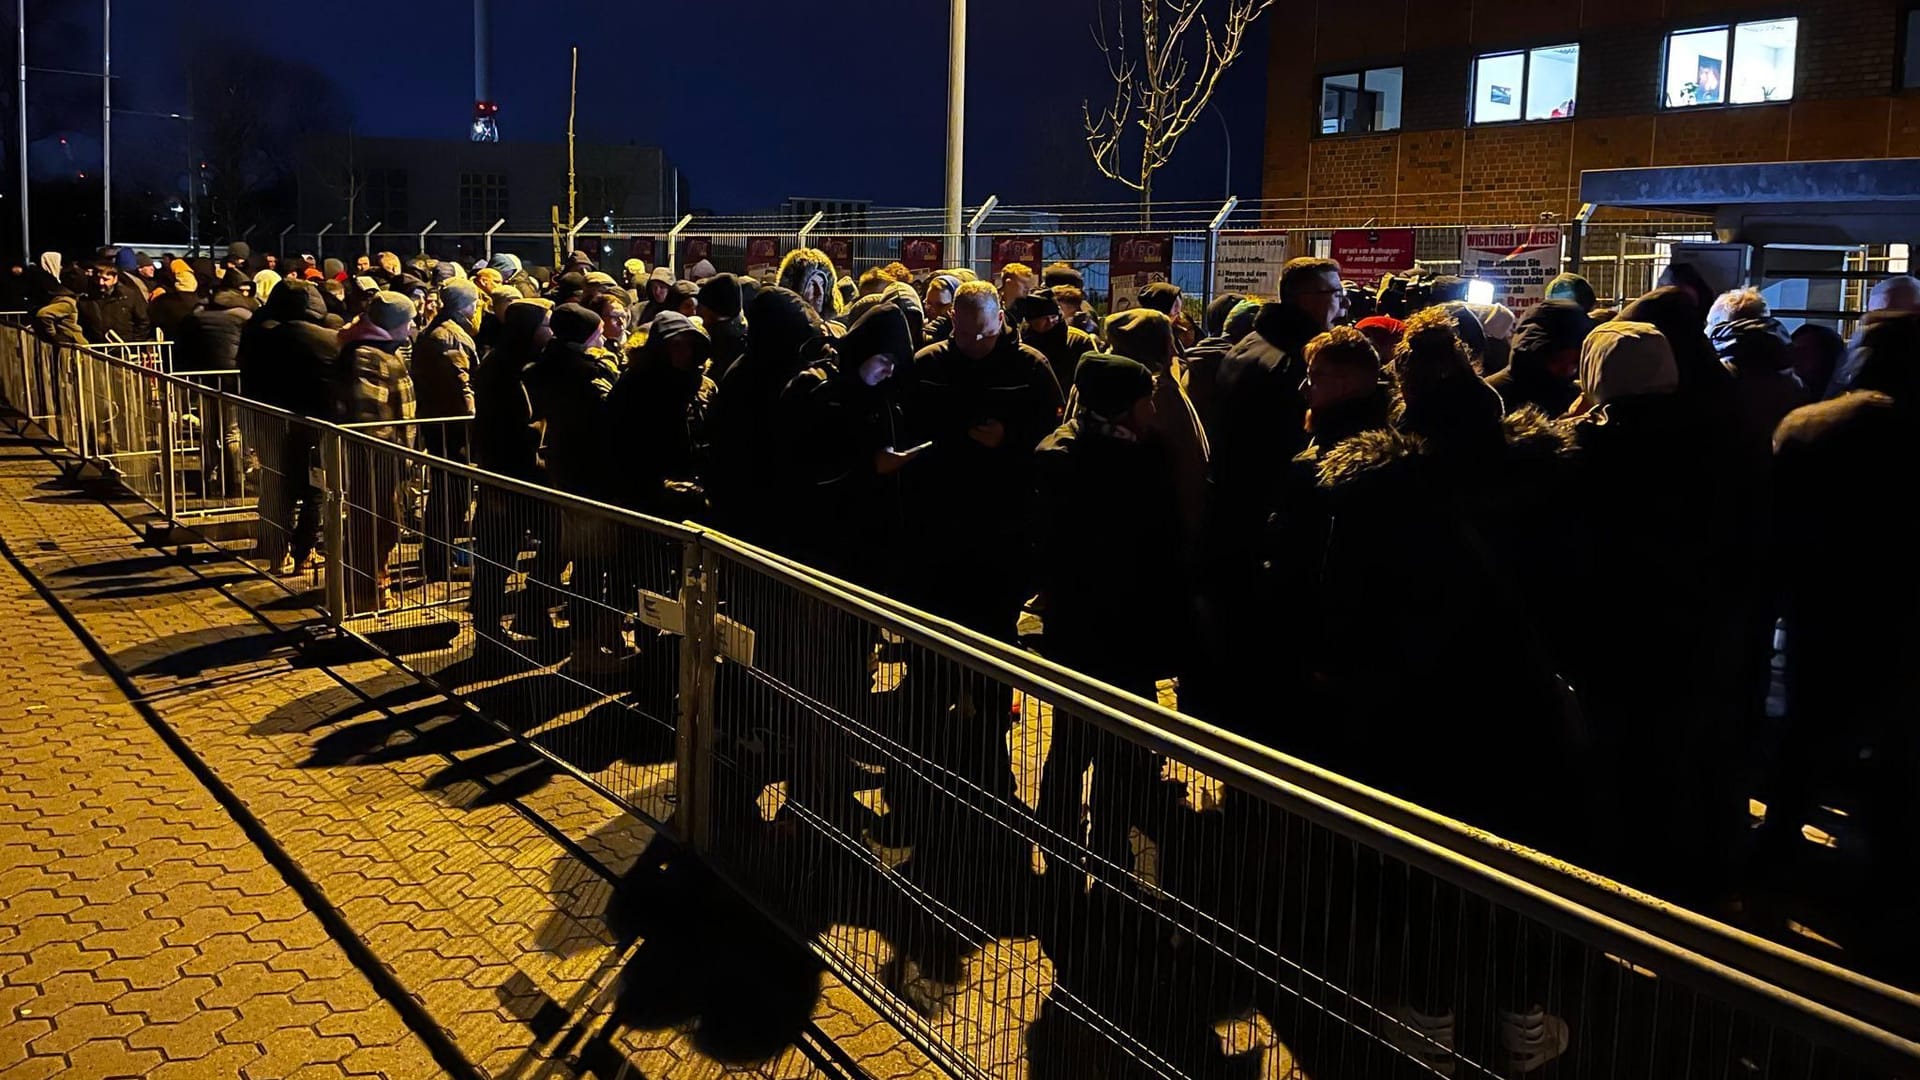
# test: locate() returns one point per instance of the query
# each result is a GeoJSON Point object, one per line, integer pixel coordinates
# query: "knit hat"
{"type": "Point", "coordinates": [1240, 320]}
{"type": "Point", "coordinates": [701, 271]}
{"type": "Point", "coordinates": [126, 260]}
{"type": "Point", "coordinates": [1110, 385]}
{"type": "Point", "coordinates": [1496, 319]}
{"type": "Point", "coordinates": [721, 295]}
{"type": "Point", "coordinates": [1549, 327]}
{"type": "Point", "coordinates": [683, 291]}
{"type": "Point", "coordinates": [573, 323]}
{"type": "Point", "coordinates": [1062, 274]}
{"type": "Point", "coordinates": [1161, 296]}
{"type": "Point", "coordinates": [389, 311]}
{"type": "Point", "coordinates": [1572, 287]}
{"type": "Point", "coordinates": [334, 269]}
{"type": "Point", "coordinates": [661, 273]}
{"type": "Point", "coordinates": [1384, 331]}
{"type": "Point", "coordinates": [1467, 325]}
{"type": "Point", "coordinates": [949, 283]}
{"type": "Point", "coordinates": [601, 277]}
{"type": "Point", "coordinates": [1627, 359]}
{"type": "Point", "coordinates": [1214, 320]}
{"type": "Point", "coordinates": [444, 272]}
{"type": "Point", "coordinates": [459, 296]}
{"type": "Point", "coordinates": [1038, 305]}
{"type": "Point", "coordinates": [1141, 334]}
{"type": "Point", "coordinates": [506, 262]}
{"type": "Point", "coordinates": [239, 251]}
{"type": "Point", "coordinates": [503, 296]}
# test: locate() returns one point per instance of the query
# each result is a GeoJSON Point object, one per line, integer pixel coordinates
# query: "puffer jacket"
{"type": "Point", "coordinates": [443, 361]}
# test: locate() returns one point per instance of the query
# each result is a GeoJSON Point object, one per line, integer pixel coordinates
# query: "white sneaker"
{"type": "Point", "coordinates": [1426, 1039]}
{"type": "Point", "coordinates": [1531, 1039]}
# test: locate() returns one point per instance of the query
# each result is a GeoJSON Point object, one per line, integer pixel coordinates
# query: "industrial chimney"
{"type": "Point", "coordinates": [485, 127]}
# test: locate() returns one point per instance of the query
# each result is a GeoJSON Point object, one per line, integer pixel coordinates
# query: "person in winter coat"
{"type": "Point", "coordinates": [784, 336]}
{"type": "Point", "coordinates": [659, 295]}
{"type": "Point", "coordinates": [1887, 299]}
{"type": "Point", "coordinates": [108, 312]}
{"type": "Point", "coordinates": [134, 288]}
{"type": "Point", "coordinates": [810, 274]}
{"type": "Point", "coordinates": [1042, 327]}
{"type": "Point", "coordinates": [1754, 346]}
{"type": "Point", "coordinates": [1546, 357]}
{"type": "Point", "coordinates": [208, 338]}
{"type": "Point", "coordinates": [443, 361]}
{"type": "Point", "coordinates": [58, 315]}
{"type": "Point", "coordinates": [655, 422]}
{"type": "Point", "coordinates": [1104, 503]}
{"type": "Point", "coordinates": [984, 401]}
{"type": "Point", "coordinates": [1199, 370]}
{"type": "Point", "coordinates": [506, 441]}
{"type": "Point", "coordinates": [372, 389]}
{"type": "Point", "coordinates": [1705, 382]}
{"type": "Point", "coordinates": [1574, 289]}
{"type": "Point", "coordinates": [1655, 647]}
{"type": "Point", "coordinates": [1146, 336]}
{"type": "Point", "coordinates": [844, 473]}
{"type": "Point", "coordinates": [286, 356]}
{"type": "Point", "coordinates": [1255, 423]}
{"type": "Point", "coordinates": [1852, 644]}
{"type": "Point", "coordinates": [1817, 351]}
{"type": "Point", "coordinates": [512, 274]}
{"type": "Point", "coordinates": [171, 305]}
{"type": "Point", "coordinates": [719, 305]}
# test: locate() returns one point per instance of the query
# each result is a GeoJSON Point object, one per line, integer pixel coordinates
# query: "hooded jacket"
{"type": "Point", "coordinates": [288, 350]}
{"type": "Point", "coordinates": [442, 363]}
{"type": "Point", "coordinates": [784, 335]}
{"type": "Point", "coordinates": [1765, 389]}
{"type": "Point", "coordinates": [568, 390]}
{"type": "Point", "coordinates": [208, 339]}
{"type": "Point", "coordinates": [372, 386]}
{"type": "Point", "coordinates": [655, 421]}
{"type": "Point", "coordinates": [842, 515]}
{"type": "Point", "coordinates": [1257, 424]}
{"type": "Point", "coordinates": [1705, 382]}
{"type": "Point", "coordinates": [170, 308]}
{"type": "Point", "coordinates": [505, 439]}
{"type": "Point", "coordinates": [1063, 346]}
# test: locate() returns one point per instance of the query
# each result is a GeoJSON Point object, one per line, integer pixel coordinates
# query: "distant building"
{"type": "Point", "coordinates": [403, 184]}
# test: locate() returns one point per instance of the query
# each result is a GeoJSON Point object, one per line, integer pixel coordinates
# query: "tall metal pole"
{"type": "Point", "coordinates": [956, 120]}
{"type": "Point", "coordinates": [26, 226]}
{"type": "Point", "coordinates": [1226, 133]}
{"type": "Point", "coordinates": [106, 124]}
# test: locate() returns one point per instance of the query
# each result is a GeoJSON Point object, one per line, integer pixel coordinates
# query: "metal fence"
{"type": "Point", "coordinates": [1028, 872]}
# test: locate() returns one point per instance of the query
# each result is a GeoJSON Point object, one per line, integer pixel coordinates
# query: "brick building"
{"type": "Point", "coordinates": [1438, 111]}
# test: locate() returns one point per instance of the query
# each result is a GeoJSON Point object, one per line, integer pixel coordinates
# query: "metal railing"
{"type": "Point", "coordinates": [1027, 871]}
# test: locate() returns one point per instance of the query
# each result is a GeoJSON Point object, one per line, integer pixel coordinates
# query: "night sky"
{"type": "Point", "coordinates": [755, 101]}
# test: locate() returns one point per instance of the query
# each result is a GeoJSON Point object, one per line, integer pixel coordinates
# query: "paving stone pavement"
{"type": "Point", "coordinates": [505, 915]}
{"type": "Point", "coordinates": [142, 933]}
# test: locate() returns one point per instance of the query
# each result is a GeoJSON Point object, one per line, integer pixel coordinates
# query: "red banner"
{"type": "Point", "coordinates": [1367, 255]}
{"type": "Point", "coordinates": [692, 250]}
{"type": "Point", "coordinates": [922, 255]}
{"type": "Point", "coordinates": [840, 250]}
{"type": "Point", "coordinates": [641, 247]}
{"type": "Point", "coordinates": [763, 253]}
{"type": "Point", "coordinates": [1016, 249]}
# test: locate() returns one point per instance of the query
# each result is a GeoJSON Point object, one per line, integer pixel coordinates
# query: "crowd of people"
{"type": "Point", "coordinates": [1533, 572]}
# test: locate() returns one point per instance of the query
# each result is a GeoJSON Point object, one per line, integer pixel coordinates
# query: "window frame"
{"type": "Point", "coordinates": [1525, 53]}
{"type": "Point", "coordinates": [1903, 48]}
{"type": "Point", "coordinates": [1726, 73]}
{"type": "Point", "coordinates": [1360, 77]}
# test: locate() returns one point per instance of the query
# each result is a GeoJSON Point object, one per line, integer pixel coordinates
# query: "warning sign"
{"type": "Point", "coordinates": [1249, 263]}
{"type": "Point", "coordinates": [1519, 262]}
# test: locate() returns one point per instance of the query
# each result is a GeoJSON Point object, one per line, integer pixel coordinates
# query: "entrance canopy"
{"type": "Point", "coordinates": [1872, 201]}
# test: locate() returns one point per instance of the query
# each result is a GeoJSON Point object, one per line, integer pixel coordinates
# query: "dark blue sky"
{"type": "Point", "coordinates": [755, 100]}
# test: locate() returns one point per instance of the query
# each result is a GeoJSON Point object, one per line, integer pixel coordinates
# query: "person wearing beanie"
{"type": "Point", "coordinates": [240, 257]}
{"type": "Point", "coordinates": [333, 270]}
{"type": "Point", "coordinates": [654, 413]}
{"type": "Point", "coordinates": [701, 270]}
{"type": "Point", "coordinates": [1573, 288]}
{"type": "Point", "coordinates": [443, 363]}
{"type": "Point", "coordinates": [571, 288]}
{"type": "Point", "coordinates": [938, 304]}
{"type": "Point", "coordinates": [1199, 369]}
{"type": "Point", "coordinates": [374, 392]}
{"type": "Point", "coordinates": [1060, 273]}
{"type": "Point", "coordinates": [718, 306]}
{"type": "Point", "coordinates": [1104, 496]}
{"type": "Point", "coordinates": [785, 334]}
{"type": "Point", "coordinates": [1383, 332]}
{"type": "Point", "coordinates": [633, 274]}
{"type": "Point", "coordinates": [170, 306]}
{"type": "Point", "coordinates": [1041, 326]}
{"type": "Point", "coordinates": [1545, 361]}
{"type": "Point", "coordinates": [1213, 321]}
{"type": "Point", "coordinates": [1146, 336]}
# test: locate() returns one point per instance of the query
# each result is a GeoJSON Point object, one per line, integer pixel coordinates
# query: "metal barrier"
{"type": "Point", "coordinates": [1030, 872]}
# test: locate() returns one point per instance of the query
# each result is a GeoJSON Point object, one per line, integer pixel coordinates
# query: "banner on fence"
{"type": "Point", "coordinates": [763, 255]}
{"type": "Point", "coordinates": [1249, 263]}
{"type": "Point", "coordinates": [1519, 262]}
{"type": "Point", "coordinates": [840, 250]}
{"type": "Point", "coordinates": [1136, 260]}
{"type": "Point", "coordinates": [922, 255]}
{"type": "Point", "coordinates": [642, 248]}
{"type": "Point", "coordinates": [1367, 255]}
{"type": "Point", "coordinates": [1016, 249]}
{"type": "Point", "coordinates": [693, 249]}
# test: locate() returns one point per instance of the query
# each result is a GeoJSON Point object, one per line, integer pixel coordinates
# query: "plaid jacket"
{"type": "Point", "coordinates": [373, 385]}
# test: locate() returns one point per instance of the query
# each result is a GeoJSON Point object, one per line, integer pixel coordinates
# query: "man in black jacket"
{"type": "Point", "coordinates": [108, 309]}
{"type": "Point", "coordinates": [505, 441]}
{"type": "Point", "coordinates": [286, 355]}
{"type": "Point", "coordinates": [1546, 357]}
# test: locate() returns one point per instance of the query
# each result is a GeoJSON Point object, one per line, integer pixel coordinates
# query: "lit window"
{"type": "Point", "coordinates": [1356, 101]}
{"type": "Point", "coordinates": [1740, 65]}
{"type": "Point", "coordinates": [1537, 84]}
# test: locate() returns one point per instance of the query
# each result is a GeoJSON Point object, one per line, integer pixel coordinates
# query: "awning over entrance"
{"type": "Point", "coordinates": [1870, 201]}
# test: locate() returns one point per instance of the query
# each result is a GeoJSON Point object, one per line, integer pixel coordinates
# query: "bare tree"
{"type": "Point", "coordinates": [1158, 91]}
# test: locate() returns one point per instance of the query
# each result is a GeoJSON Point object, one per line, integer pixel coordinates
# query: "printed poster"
{"type": "Point", "coordinates": [922, 255]}
{"type": "Point", "coordinates": [1136, 260]}
{"type": "Point", "coordinates": [1367, 255]}
{"type": "Point", "coordinates": [763, 255]}
{"type": "Point", "coordinates": [840, 250]}
{"type": "Point", "coordinates": [1519, 262]}
{"type": "Point", "coordinates": [1249, 263]}
{"type": "Point", "coordinates": [642, 248]}
{"type": "Point", "coordinates": [692, 250]}
{"type": "Point", "coordinates": [1016, 249]}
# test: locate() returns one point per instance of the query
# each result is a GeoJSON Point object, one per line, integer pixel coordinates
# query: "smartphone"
{"type": "Point", "coordinates": [1479, 292]}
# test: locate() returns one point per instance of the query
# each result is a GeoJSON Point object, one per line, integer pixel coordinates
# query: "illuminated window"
{"type": "Point", "coordinates": [1357, 101]}
{"type": "Point", "coordinates": [1534, 84]}
{"type": "Point", "coordinates": [1743, 64]}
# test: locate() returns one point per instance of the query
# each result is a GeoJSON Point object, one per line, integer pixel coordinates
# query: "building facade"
{"type": "Point", "coordinates": [1486, 111]}
{"type": "Point", "coordinates": [403, 184]}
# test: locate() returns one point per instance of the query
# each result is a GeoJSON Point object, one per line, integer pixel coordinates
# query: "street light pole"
{"type": "Point", "coordinates": [106, 124]}
{"type": "Point", "coordinates": [26, 226]}
{"type": "Point", "coordinates": [1226, 132]}
{"type": "Point", "coordinates": [956, 120]}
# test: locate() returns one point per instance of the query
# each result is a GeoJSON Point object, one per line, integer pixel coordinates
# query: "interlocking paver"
{"type": "Point", "coordinates": [127, 893]}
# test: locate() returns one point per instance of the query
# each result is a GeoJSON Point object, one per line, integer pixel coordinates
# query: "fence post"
{"type": "Point", "coordinates": [169, 498]}
{"type": "Point", "coordinates": [807, 229]}
{"type": "Point", "coordinates": [490, 232]}
{"type": "Point", "coordinates": [424, 232]}
{"type": "Point", "coordinates": [333, 523]}
{"type": "Point", "coordinates": [366, 238]}
{"type": "Point", "coordinates": [282, 252]}
{"type": "Point", "coordinates": [320, 242]}
{"type": "Point", "coordinates": [693, 721]}
{"type": "Point", "coordinates": [673, 241]}
{"type": "Point", "coordinates": [1213, 248]}
{"type": "Point", "coordinates": [973, 232]}
{"type": "Point", "coordinates": [1577, 236]}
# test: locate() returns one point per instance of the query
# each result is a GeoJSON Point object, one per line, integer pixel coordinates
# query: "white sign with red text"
{"type": "Point", "coordinates": [1518, 262]}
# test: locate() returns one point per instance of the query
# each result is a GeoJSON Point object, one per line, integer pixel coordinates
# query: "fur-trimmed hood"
{"type": "Point", "coordinates": [1529, 440]}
